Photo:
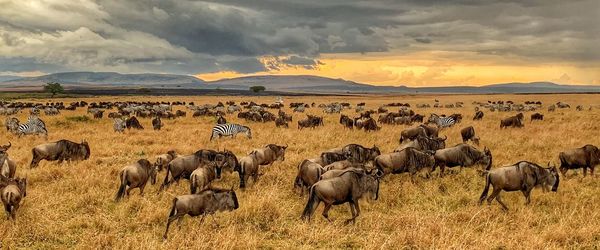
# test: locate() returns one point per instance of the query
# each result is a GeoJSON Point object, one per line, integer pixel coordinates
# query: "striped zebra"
{"type": "Point", "coordinates": [230, 129]}
{"type": "Point", "coordinates": [441, 122]}
{"type": "Point", "coordinates": [33, 126]}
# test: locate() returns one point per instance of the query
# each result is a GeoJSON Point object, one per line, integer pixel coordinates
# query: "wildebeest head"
{"type": "Point", "coordinates": [551, 180]}
{"type": "Point", "coordinates": [84, 144]}
{"type": "Point", "coordinates": [374, 152]}
{"type": "Point", "coordinates": [218, 164]}
{"type": "Point", "coordinates": [279, 151]}
{"type": "Point", "coordinates": [593, 153]}
{"type": "Point", "coordinates": [227, 199]}
{"type": "Point", "coordinates": [22, 185]}
{"type": "Point", "coordinates": [370, 182]}
{"type": "Point", "coordinates": [231, 162]}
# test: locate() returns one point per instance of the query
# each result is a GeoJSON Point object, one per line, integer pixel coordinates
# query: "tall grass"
{"type": "Point", "coordinates": [71, 205]}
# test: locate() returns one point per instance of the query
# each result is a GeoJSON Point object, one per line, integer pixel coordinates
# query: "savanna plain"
{"type": "Point", "coordinates": [71, 205]}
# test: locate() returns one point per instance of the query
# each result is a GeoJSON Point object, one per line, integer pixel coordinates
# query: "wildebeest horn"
{"type": "Point", "coordinates": [445, 138]}
{"type": "Point", "coordinates": [7, 146]}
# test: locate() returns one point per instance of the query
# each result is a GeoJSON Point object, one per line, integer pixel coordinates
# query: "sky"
{"type": "Point", "coordinates": [380, 42]}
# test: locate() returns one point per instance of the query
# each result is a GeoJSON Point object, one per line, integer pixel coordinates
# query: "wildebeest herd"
{"type": "Point", "coordinates": [336, 176]}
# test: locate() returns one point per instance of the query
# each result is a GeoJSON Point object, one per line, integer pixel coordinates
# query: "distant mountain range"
{"type": "Point", "coordinates": [286, 83]}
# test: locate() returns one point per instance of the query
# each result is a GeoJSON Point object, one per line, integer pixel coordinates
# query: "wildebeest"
{"type": "Point", "coordinates": [478, 115]}
{"type": "Point", "coordinates": [424, 143]}
{"type": "Point", "coordinates": [412, 133]}
{"type": "Point", "coordinates": [12, 194]}
{"type": "Point", "coordinates": [537, 116]}
{"type": "Point", "coordinates": [360, 154]}
{"type": "Point", "coordinates": [12, 124]}
{"type": "Point", "coordinates": [98, 114]}
{"type": "Point", "coordinates": [119, 125]}
{"type": "Point", "coordinates": [349, 187]}
{"type": "Point", "coordinates": [585, 157]}
{"type": "Point", "coordinates": [370, 125]}
{"type": "Point", "coordinates": [135, 176]}
{"type": "Point", "coordinates": [346, 121]}
{"type": "Point", "coordinates": [60, 150]}
{"type": "Point", "coordinates": [407, 160]}
{"type": "Point", "coordinates": [269, 154]}
{"type": "Point", "coordinates": [205, 174]}
{"type": "Point", "coordinates": [183, 166]}
{"type": "Point", "coordinates": [221, 120]}
{"type": "Point", "coordinates": [430, 131]}
{"type": "Point", "coordinates": [463, 155]}
{"type": "Point", "coordinates": [7, 166]}
{"type": "Point", "coordinates": [522, 176]}
{"type": "Point", "coordinates": [164, 159]}
{"type": "Point", "coordinates": [551, 108]}
{"type": "Point", "coordinates": [308, 174]}
{"type": "Point", "coordinates": [468, 133]}
{"type": "Point", "coordinates": [132, 122]}
{"type": "Point", "coordinates": [248, 167]}
{"type": "Point", "coordinates": [156, 123]}
{"type": "Point", "coordinates": [513, 121]}
{"type": "Point", "coordinates": [206, 202]}
{"type": "Point", "coordinates": [281, 122]}
{"type": "Point", "coordinates": [331, 157]}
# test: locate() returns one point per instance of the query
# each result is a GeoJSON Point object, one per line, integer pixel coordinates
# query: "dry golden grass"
{"type": "Point", "coordinates": [71, 205]}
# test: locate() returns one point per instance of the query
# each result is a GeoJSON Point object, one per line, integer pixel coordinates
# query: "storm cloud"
{"type": "Point", "coordinates": [189, 37]}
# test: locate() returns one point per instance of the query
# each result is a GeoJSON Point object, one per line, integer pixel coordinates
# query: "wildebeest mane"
{"type": "Point", "coordinates": [71, 149]}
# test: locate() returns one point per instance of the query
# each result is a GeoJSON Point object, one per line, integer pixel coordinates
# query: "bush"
{"type": "Point", "coordinates": [257, 89]}
{"type": "Point", "coordinates": [79, 118]}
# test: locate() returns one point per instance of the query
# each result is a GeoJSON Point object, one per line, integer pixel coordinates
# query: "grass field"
{"type": "Point", "coordinates": [71, 205]}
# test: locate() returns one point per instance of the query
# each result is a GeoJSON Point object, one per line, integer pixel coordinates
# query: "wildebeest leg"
{"type": "Point", "coordinates": [127, 190]}
{"type": "Point", "coordinates": [326, 211]}
{"type": "Point", "coordinates": [13, 213]}
{"type": "Point", "coordinates": [527, 194]}
{"type": "Point", "coordinates": [171, 219]}
{"type": "Point", "coordinates": [357, 208]}
{"type": "Point", "coordinates": [442, 168]}
{"type": "Point", "coordinates": [7, 209]}
{"type": "Point", "coordinates": [592, 170]}
{"type": "Point", "coordinates": [499, 199]}
{"type": "Point", "coordinates": [142, 189]}
{"type": "Point", "coordinates": [494, 194]}
{"type": "Point", "coordinates": [584, 171]}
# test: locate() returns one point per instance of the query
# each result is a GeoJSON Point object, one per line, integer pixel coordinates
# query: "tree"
{"type": "Point", "coordinates": [257, 89]}
{"type": "Point", "coordinates": [54, 88]}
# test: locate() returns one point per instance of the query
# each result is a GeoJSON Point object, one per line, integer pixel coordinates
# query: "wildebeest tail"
{"type": "Point", "coordinates": [486, 189]}
{"type": "Point", "coordinates": [193, 184]}
{"type": "Point", "coordinates": [122, 187]}
{"type": "Point", "coordinates": [174, 208]}
{"type": "Point", "coordinates": [563, 160]}
{"type": "Point", "coordinates": [312, 200]}
{"type": "Point", "coordinates": [166, 181]}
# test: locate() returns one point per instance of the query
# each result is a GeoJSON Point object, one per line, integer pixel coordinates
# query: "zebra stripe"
{"type": "Point", "coordinates": [34, 125]}
{"type": "Point", "coordinates": [442, 122]}
{"type": "Point", "coordinates": [229, 129]}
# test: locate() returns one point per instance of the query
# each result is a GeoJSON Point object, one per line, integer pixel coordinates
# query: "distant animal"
{"type": "Point", "coordinates": [33, 126]}
{"type": "Point", "coordinates": [132, 122]}
{"type": "Point", "coordinates": [346, 121]}
{"type": "Point", "coordinates": [513, 121]}
{"type": "Point", "coordinates": [349, 187]}
{"type": "Point", "coordinates": [11, 196]}
{"type": "Point", "coordinates": [98, 114]}
{"type": "Point", "coordinates": [463, 155]}
{"type": "Point", "coordinates": [358, 153]}
{"type": "Point", "coordinates": [468, 133]}
{"type": "Point", "coordinates": [60, 150]}
{"type": "Point", "coordinates": [281, 122]}
{"type": "Point", "coordinates": [12, 124]}
{"type": "Point", "coordinates": [206, 202]}
{"type": "Point", "coordinates": [478, 115]}
{"type": "Point", "coordinates": [579, 108]}
{"type": "Point", "coordinates": [522, 176]}
{"type": "Point", "coordinates": [230, 129]}
{"type": "Point", "coordinates": [308, 174]}
{"type": "Point", "coordinates": [8, 167]}
{"type": "Point", "coordinates": [135, 176]}
{"type": "Point", "coordinates": [163, 160]}
{"type": "Point", "coordinates": [537, 116]}
{"type": "Point", "coordinates": [441, 122]}
{"type": "Point", "coordinates": [551, 108]}
{"type": "Point", "coordinates": [408, 160]}
{"type": "Point", "coordinates": [119, 125]}
{"type": "Point", "coordinates": [157, 123]}
{"type": "Point", "coordinates": [221, 120]}
{"type": "Point", "coordinates": [183, 166]}
{"type": "Point", "coordinates": [585, 157]}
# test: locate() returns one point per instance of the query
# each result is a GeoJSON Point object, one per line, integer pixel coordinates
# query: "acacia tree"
{"type": "Point", "coordinates": [53, 88]}
{"type": "Point", "coordinates": [257, 89]}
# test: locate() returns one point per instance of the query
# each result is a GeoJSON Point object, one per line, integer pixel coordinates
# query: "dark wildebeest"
{"type": "Point", "coordinates": [408, 160]}
{"type": "Point", "coordinates": [331, 157]}
{"type": "Point", "coordinates": [308, 174]}
{"type": "Point", "coordinates": [98, 114]}
{"type": "Point", "coordinates": [424, 143]}
{"type": "Point", "coordinates": [164, 159]}
{"type": "Point", "coordinates": [585, 157]}
{"type": "Point", "coordinates": [417, 118]}
{"type": "Point", "coordinates": [221, 120]}
{"type": "Point", "coordinates": [269, 154]}
{"type": "Point", "coordinates": [537, 116]}
{"type": "Point", "coordinates": [157, 123]}
{"type": "Point", "coordinates": [8, 167]}
{"type": "Point", "coordinates": [513, 121]}
{"type": "Point", "coordinates": [206, 202]}
{"type": "Point", "coordinates": [346, 121]}
{"type": "Point", "coordinates": [522, 176]}
{"type": "Point", "coordinates": [468, 133]}
{"type": "Point", "coordinates": [183, 166]}
{"type": "Point", "coordinates": [12, 194]}
{"type": "Point", "coordinates": [349, 187]}
{"type": "Point", "coordinates": [135, 175]}
{"type": "Point", "coordinates": [478, 115]}
{"type": "Point", "coordinates": [360, 154]}
{"type": "Point", "coordinates": [412, 133]}
{"type": "Point", "coordinates": [60, 150]}
{"type": "Point", "coordinates": [281, 122]}
{"type": "Point", "coordinates": [370, 125]}
{"type": "Point", "coordinates": [463, 155]}
{"type": "Point", "coordinates": [205, 174]}
{"type": "Point", "coordinates": [132, 122]}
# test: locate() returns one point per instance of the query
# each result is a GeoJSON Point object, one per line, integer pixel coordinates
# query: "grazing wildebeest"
{"type": "Point", "coordinates": [537, 116]}
{"type": "Point", "coordinates": [206, 202]}
{"type": "Point", "coordinates": [205, 174]}
{"type": "Point", "coordinates": [551, 108]}
{"type": "Point", "coordinates": [585, 157]}
{"type": "Point", "coordinates": [349, 187]}
{"type": "Point", "coordinates": [468, 133]}
{"type": "Point", "coordinates": [331, 157]}
{"type": "Point", "coordinates": [513, 121]}
{"type": "Point", "coordinates": [424, 143]}
{"type": "Point", "coordinates": [132, 122]}
{"type": "Point", "coordinates": [360, 154]}
{"type": "Point", "coordinates": [522, 176]}
{"type": "Point", "coordinates": [579, 108]}
{"type": "Point", "coordinates": [346, 121]}
{"type": "Point", "coordinates": [248, 167]}
{"type": "Point", "coordinates": [478, 115]}
{"type": "Point", "coordinates": [269, 154]}
{"type": "Point", "coordinates": [164, 159]}
{"type": "Point", "coordinates": [183, 166]}
{"type": "Point", "coordinates": [221, 120]}
{"type": "Point", "coordinates": [562, 105]}
{"type": "Point", "coordinates": [463, 155]}
{"type": "Point", "coordinates": [156, 123]}
{"type": "Point", "coordinates": [281, 122]}
{"type": "Point", "coordinates": [408, 160]}
{"type": "Point", "coordinates": [60, 150]}
{"type": "Point", "coordinates": [12, 194]}
{"type": "Point", "coordinates": [8, 167]}
{"type": "Point", "coordinates": [308, 174]}
{"type": "Point", "coordinates": [119, 125]}
{"type": "Point", "coordinates": [135, 176]}
{"type": "Point", "coordinates": [370, 125]}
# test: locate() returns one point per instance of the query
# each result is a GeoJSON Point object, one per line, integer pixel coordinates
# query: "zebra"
{"type": "Point", "coordinates": [119, 125]}
{"type": "Point", "coordinates": [230, 129]}
{"type": "Point", "coordinates": [441, 122]}
{"type": "Point", "coordinates": [34, 125]}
